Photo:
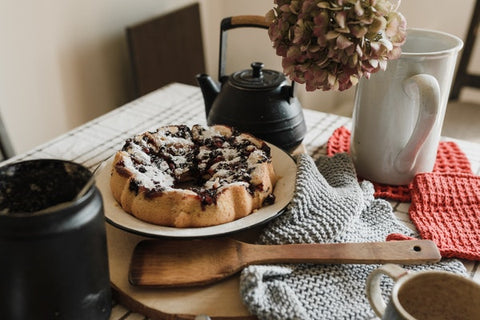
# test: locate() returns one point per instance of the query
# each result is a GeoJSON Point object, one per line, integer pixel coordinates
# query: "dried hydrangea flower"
{"type": "Point", "coordinates": [330, 44]}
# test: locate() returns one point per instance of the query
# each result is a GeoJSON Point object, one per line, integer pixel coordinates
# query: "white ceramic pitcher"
{"type": "Point", "coordinates": [398, 113]}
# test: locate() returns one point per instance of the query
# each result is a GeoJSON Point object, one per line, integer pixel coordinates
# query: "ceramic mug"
{"type": "Point", "coordinates": [398, 113]}
{"type": "Point", "coordinates": [424, 295]}
{"type": "Point", "coordinates": [53, 260]}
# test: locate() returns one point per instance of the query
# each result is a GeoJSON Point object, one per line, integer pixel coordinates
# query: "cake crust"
{"type": "Point", "coordinates": [192, 177]}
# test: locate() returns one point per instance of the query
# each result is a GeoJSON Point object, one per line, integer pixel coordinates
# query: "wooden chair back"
{"type": "Point", "coordinates": [166, 49]}
{"type": "Point", "coordinates": [464, 78]}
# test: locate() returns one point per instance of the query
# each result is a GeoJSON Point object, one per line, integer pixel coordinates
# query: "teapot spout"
{"type": "Point", "coordinates": [210, 90]}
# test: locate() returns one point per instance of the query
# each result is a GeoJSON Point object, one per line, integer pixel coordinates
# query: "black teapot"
{"type": "Point", "coordinates": [258, 101]}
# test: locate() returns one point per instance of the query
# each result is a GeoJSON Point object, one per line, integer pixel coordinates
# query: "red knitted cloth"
{"type": "Point", "coordinates": [449, 159]}
{"type": "Point", "coordinates": [446, 209]}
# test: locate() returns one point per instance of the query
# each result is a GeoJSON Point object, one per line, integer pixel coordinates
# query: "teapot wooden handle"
{"type": "Point", "coordinates": [232, 23]}
{"type": "Point", "coordinates": [244, 21]}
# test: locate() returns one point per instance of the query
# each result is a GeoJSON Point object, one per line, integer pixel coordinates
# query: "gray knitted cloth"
{"type": "Point", "coordinates": [329, 205]}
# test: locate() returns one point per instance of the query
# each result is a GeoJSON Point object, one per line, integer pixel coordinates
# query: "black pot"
{"type": "Point", "coordinates": [54, 264]}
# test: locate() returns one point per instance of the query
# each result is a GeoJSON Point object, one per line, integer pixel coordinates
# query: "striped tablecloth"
{"type": "Point", "coordinates": [97, 140]}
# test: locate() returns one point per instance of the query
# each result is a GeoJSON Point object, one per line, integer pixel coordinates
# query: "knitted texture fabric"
{"type": "Point", "coordinates": [449, 159]}
{"type": "Point", "coordinates": [329, 205]}
{"type": "Point", "coordinates": [446, 209]}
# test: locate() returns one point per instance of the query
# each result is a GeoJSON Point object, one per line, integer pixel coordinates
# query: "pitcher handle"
{"type": "Point", "coordinates": [424, 90]}
{"type": "Point", "coordinates": [374, 291]}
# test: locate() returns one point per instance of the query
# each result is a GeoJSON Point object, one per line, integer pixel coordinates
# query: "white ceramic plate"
{"type": "Point", "coordinates": [284, 166]}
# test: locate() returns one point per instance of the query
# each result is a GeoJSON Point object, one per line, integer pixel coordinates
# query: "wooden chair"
{"type": "Point", "coordinates": [464, 78]}
{"type": "Point", "coordinates": [462, 118]}
{"type": "Point", "coordinates": [166, 49]}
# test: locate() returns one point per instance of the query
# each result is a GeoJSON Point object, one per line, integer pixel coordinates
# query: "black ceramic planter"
{"type": "Point", "coordinates": [53, 265]}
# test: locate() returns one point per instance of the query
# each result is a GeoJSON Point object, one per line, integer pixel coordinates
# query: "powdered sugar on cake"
{"type": "Point", "coordinates": [201, 159]}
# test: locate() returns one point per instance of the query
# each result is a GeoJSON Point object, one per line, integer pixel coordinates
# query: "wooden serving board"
{"type": "Point", "coordinates": [219, 301]}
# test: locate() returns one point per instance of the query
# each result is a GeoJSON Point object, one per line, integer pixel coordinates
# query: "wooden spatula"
{"type": "Point", "coordinates": [167, 263]}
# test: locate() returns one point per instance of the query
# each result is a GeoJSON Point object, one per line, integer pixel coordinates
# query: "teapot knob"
{"type": "Point", "coordinates": [257, 69]}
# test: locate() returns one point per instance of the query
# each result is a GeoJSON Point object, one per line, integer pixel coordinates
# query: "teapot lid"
{"type": "Point", "coordinates": [257, 78]}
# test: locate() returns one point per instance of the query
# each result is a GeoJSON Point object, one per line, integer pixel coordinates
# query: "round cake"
{"type": "Point", "coordinates": [192, 177]}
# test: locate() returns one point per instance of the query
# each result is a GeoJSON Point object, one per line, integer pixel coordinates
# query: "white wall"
{"type": "Point", "coordinates": [63, 63]}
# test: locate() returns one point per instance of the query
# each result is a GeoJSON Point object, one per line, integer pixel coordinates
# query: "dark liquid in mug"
{"type": "Point", "coordinates": [440, 297]}
{"type": "Point", "coordinates": [32, 186]}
